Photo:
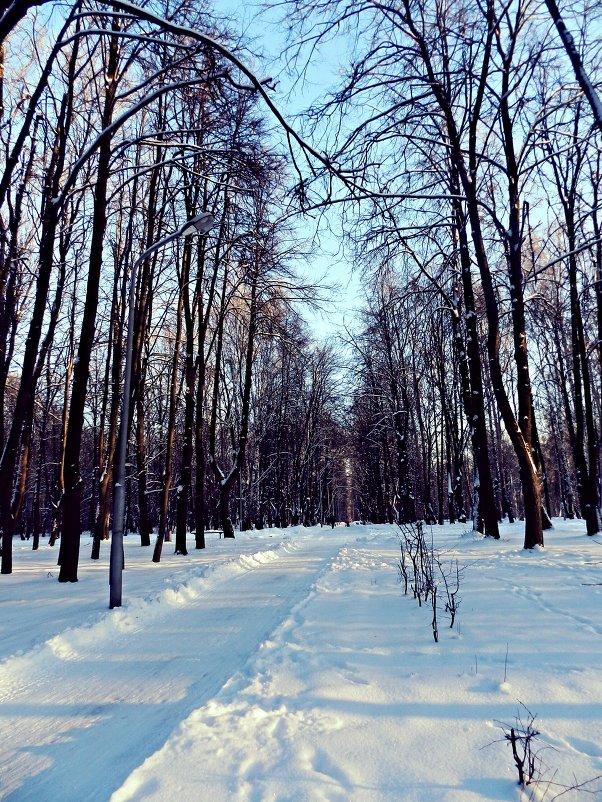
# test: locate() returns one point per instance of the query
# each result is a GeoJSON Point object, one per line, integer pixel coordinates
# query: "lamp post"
{"type": "Point", "coordinates": [202, 224]}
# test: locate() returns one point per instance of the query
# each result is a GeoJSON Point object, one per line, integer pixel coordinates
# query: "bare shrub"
{"type": "Point", "coordinates": [537, 779]}
{"type": "Point", "coordinates": [423, 570]}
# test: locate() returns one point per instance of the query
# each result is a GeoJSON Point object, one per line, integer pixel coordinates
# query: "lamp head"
{"type": "Point", "coordinates": [200, 224]}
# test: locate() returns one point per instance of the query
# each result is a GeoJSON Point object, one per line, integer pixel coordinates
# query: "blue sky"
{"type": "Point", "coordinates": [267, 32]}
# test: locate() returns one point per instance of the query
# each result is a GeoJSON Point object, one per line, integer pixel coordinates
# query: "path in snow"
{"type": "Point", "coordinates": [350, 700]}
{"type": "Point", "coordinates": [84, 724]}
{"type": "Point", "coordinates": [315, 716]}
{"type": "Point", "coordinates": [288, 666]}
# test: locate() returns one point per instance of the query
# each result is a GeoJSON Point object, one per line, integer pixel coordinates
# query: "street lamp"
{"type": "Point", "coordinates": [201, 224]}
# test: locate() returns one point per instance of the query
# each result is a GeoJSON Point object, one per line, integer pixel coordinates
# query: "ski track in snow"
{"type": "Point", "coordinates": [142, 693]}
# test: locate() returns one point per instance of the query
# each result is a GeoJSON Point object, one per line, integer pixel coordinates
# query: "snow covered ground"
{"type": "Point", "coordinates": [288, 665]}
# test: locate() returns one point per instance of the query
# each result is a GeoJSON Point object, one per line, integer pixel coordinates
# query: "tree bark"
{"type": "Point", "coordinates": [71, 523]}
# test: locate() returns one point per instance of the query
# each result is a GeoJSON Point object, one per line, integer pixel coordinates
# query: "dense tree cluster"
{"type": "Point", "coordinates": [467, 160]}
{"type": "Point", "coordinates": [475, 156]}
{"type": "Point", "coordinates": [116, 133]}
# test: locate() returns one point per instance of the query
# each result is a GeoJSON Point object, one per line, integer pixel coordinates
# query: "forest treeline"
{"type": "Point", "coordinates": [468, 135]}
{"type": "Point", "coordinates": [465, 161]}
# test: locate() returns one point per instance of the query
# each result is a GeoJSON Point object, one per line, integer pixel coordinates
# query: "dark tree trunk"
{"type": "Point", "coordinates": [518, 431]}
{"type": "Point", "coordinates": [71, 523]}
{"type": "Point", "coordinates": [472, 382]}
{"type": "Point", "coordinates": [32, 361]}
{"type": "Point", "coordinates": [571, 50]}
{"type": "Point", "coordinates": [162, 533]}
{"type": "Point", "coordinates": [112, 388]}
{"type": "Point", "coordinates": [227, 482]}
{"type": "Point", "coordinates": [185, 478]}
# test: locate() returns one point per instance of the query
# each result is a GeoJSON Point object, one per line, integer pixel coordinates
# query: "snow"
{"type": "Point", "coordinates": [288, 665]}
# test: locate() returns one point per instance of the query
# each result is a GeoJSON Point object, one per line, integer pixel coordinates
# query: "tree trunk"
{"type": "Point", "coordinates": [472, 381]}
{"type": "Point", "coordinates": [171, 425]}
{"type": "Point", "coordinates": [112, 388]}
{"type": "Point", "coordinates": [71, 528]}
{"type": "Point", "coordinates": [31, 364]}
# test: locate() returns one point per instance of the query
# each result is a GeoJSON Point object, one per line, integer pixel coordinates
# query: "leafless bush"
{"type": "Point", "coordinates": [535, 777]}
{"type": "Point", "coordinates": [422, 570]}
{"type": "Point", "coordinates": [404, 566]}
{"type": "Point", "coordinates": [450, 575]}
{"type": "Point", "coordinates": [521, 737]}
